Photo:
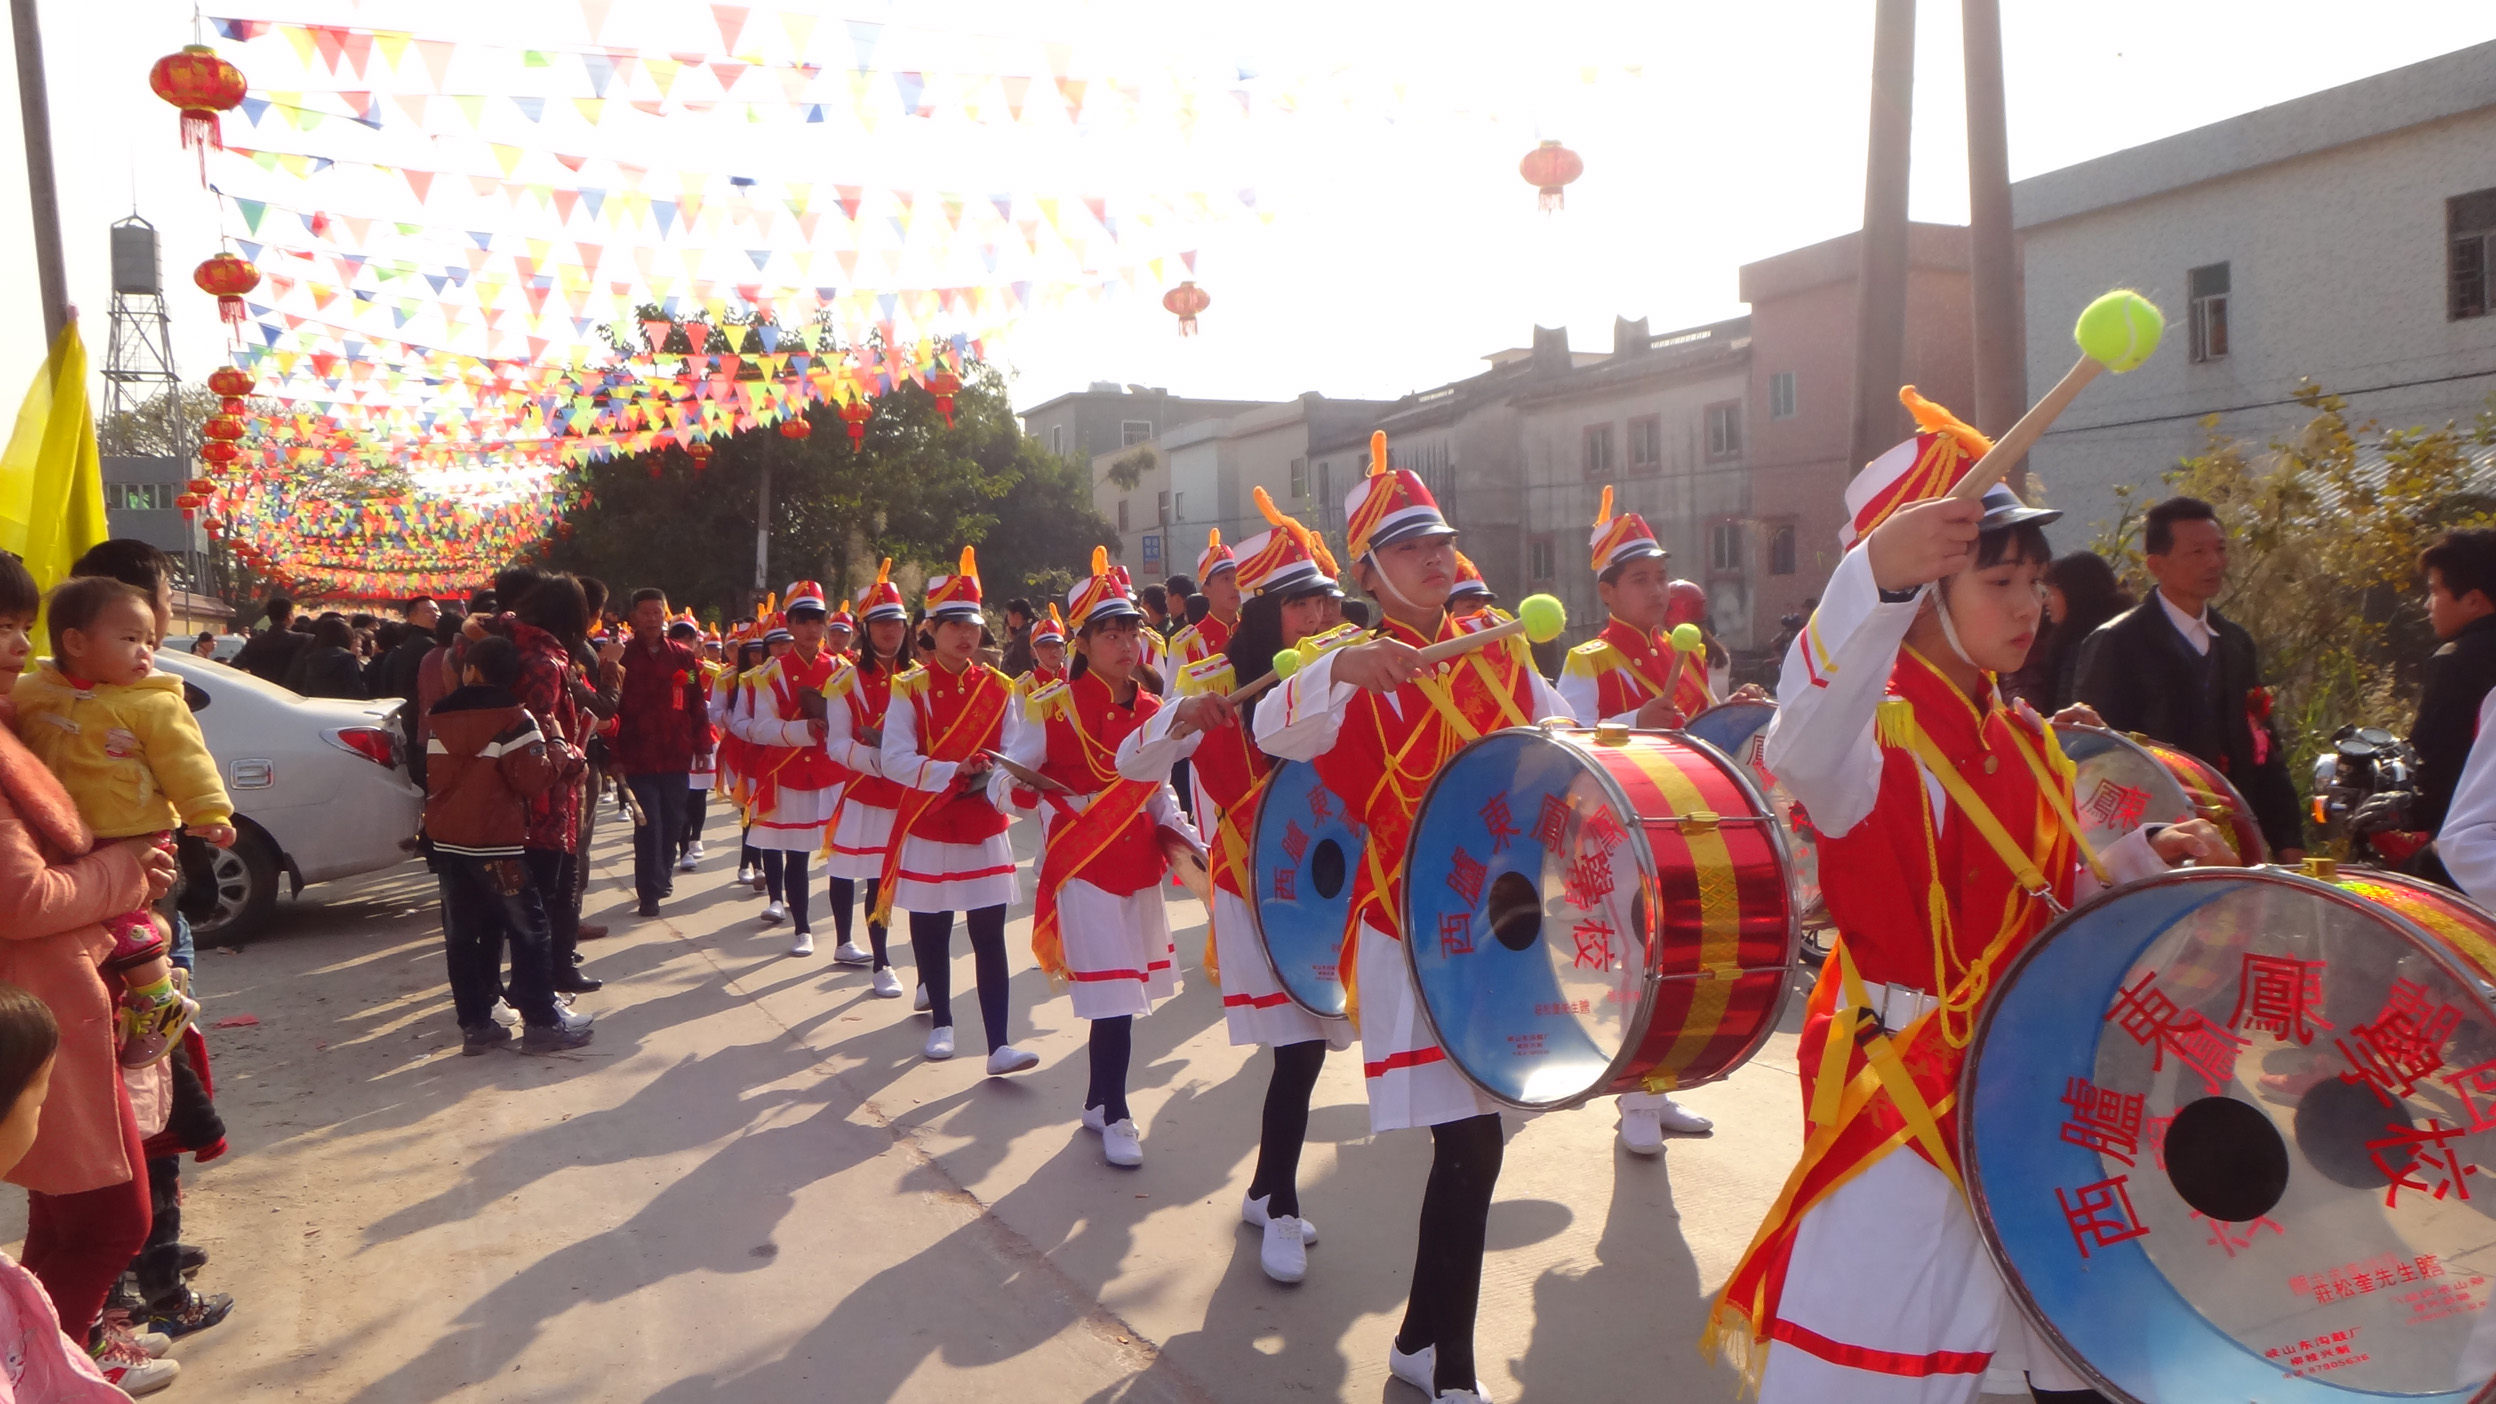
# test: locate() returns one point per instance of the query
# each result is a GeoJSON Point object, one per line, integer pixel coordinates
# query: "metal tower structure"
{"type": "Point", "coordinates": [141, 388]}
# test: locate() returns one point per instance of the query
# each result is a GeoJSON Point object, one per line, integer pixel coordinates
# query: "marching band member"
{"type": "Point", "coordinates": [861, 832]}
{"type": "Point", "coordinates": [840, 633]}
{"type": "Point", "coordinates": [1048, 655]}
{"type": "Point", "coordinates": [1472, 594]}
{"type": "Point", "coordinates": [1290, 573]}
{"type": "Point", "coordinates": [705, 773]}
{"type": "Point", "coordinates": [735, 752]}
{"type": "Point", "coordinates": [1217, 577]}
{"type": "Point", "coordinates": [1379, 724]}
{"type": "Point", "coordinates": [1631, 673]}
{"type": "Point", "coordinates": [795, 782]}
{"type": "Point", "coordinates": [1947, 842]}
{"type": "Point", "coordinates": [950, 851]}
{"type": "Point", "coordinates": [1100, 927]}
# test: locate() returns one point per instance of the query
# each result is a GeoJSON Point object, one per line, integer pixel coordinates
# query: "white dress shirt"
{"type": "Point", "coordinates": [2194, 627]}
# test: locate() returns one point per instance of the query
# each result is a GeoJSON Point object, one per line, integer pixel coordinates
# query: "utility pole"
{"type": "Point", "coordinates": [762, 530]}
{"type": "Point", "coordinates": [1881, 273]}
{"type": "Point", "coordinates": [34, 108]}
{"type": "Point", "coordinates": [1993, 268]}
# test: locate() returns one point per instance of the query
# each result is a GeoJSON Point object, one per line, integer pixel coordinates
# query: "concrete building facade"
{"type": "Point", "coordinates": [1108, 417]}
{"type": "Point", "coordinates": [2347, 237]}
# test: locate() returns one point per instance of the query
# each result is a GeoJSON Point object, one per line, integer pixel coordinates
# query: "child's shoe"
{"type": "Point", "coordinates": [152, 1021]}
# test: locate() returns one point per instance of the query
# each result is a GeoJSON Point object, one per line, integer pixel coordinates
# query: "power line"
{"type": "Point", "coordinates": [2265, 404]}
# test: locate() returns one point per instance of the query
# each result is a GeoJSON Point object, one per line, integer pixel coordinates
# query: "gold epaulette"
{"type": "Point", "coordinates": [909, 683]}
{"type": "Point", "coordinates": [1593, 658]}
{"type": "Point", "coordinates": [1210, 674]}
{"type": "Point", "coordinates": [1038, 702]}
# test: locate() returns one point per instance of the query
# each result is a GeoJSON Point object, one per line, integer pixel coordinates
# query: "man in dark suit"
{"type": "Point", "coordinates": [268, 655]}
{"type": "Point", "coordinates": [2174, 669]}
{"type": "Point", "coordinates": [2461, 607]}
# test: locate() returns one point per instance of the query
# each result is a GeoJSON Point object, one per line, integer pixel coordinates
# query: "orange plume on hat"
{"type": "Point", "coordinates": [1288, 553]}
{"type": "Point", "coordinates": [1377, 452]}
{"type": "Point", "coordinates": [1925, 467]}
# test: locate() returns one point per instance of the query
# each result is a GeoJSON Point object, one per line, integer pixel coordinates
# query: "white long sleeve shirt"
{"type": "Point", "coordinates": [2467, 842]}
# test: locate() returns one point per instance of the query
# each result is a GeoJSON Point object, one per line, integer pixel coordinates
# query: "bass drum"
{"type": "Point", "coordinates": [1740, 730]}
{"type": "Point", "coordinates": [1302, 862]}
{"type": "Point", "coordinates": [2125, 781]}
{"type": "Point", "coordinates": [2229, 1135]}
{"type": "Point", "coordinates": [1588, 912]}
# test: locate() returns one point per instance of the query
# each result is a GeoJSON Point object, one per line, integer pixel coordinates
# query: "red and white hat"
{"type": "Point", "coordinates": [1469, 582]}
{"type": "Point", "coordinates": [1051, 629]}
{"type": "Point", "coordinates": [1286, 558]}
{"type": "Point", "coordinates": [1626, 537]}
{"type": "Point", "coordinates": [1217, 557]}
{"type": "Point", "coordinates": [955, 596]}
{"type": "Point", "coordinates": [1106, 595]}
{"type": "Point", "coordinates": [842, 619]}
{"type": "Point", "coordinates": [882, 600]}
{"type": "Point", "coordinates": [804, 594]}
{"type": "Point", "coordinates": [1926, 467]}
{"type": "Point", "coordinates": [1389, 505]}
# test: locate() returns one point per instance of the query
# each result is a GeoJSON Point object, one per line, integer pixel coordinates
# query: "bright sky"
{"type": "Point", "coordinates": [1402, 245]}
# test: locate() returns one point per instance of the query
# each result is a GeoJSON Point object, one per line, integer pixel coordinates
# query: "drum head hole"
{"type": "Point", "coordinates": [2227, 1160]}
{"type": "Point", "coordinates": [1516, 910]}
{"type": "Point", "coordinates": [1327, 867]}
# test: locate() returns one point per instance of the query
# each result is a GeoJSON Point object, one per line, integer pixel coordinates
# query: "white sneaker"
{"type": "Point", "coordinates": [568, 1018]}
{"type": "Point", "coordinates": [689, 862]}
{"type": "Point", "coordinates": [694, 853]}
{"type": "Point", "coordinates": [939, 1043]}
{"type": "Point", "coordinates": [505, 1015]}
{"type": "Point", "coordinates": [1252, 1212]}
{"type": "Point", "coordinates": [1009, 1059]}
{"type": "Point", "coordinates": [1419, 1370]}
{"type": "Point", "coordinates": [802, 943]}
{"type": "Point", "coordinates": [919, 1000]}
{"type": "Point", "coordinates": [1681, 1121]}
{"type": "Point", "coordinates": [887, 984]}
{"type": "Point", "coordinates": [760, 882]}
{"type": "Point", "coordinates": [1095, 1118]}
{"type": "Point", "coordinates": [851, 953]}
{"type": "Point", "coordinates": [1285, 1254]}
{"type": "Point", "coordinates": [1640, 1132]}
{"type": "Point", "coordinates": [1120, 1141]}
{"type": "Point", "coordinates": [745, 875]}
{"type": "Point", "coordinates": [774, 913]}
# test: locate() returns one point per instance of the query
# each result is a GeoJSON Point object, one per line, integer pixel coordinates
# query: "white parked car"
{"type": "Point", "coordinates": [319, 786]}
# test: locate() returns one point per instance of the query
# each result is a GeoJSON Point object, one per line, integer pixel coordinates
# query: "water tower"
{"type": "Point", "coordinates": [150, 455]}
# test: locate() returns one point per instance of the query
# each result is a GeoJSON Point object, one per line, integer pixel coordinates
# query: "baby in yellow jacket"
{"type": "Point", "coordinates": [123, 743]}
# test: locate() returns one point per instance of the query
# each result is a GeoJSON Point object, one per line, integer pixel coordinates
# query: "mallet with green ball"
{"type": "Point", "coordinates": [2116, 333]}
{"type": "Point", "coordinates": [1541, 618]}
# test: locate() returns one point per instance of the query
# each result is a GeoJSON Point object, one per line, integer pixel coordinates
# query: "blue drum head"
{"type": "Point", "coordinates": [1303, 865]}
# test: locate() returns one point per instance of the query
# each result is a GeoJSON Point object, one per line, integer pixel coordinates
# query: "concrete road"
{"type": "Point", "coordinates": [752, 1188]}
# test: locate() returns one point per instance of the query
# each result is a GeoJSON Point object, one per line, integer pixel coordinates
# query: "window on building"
{"type": "Point", "coordinates": [1646, 444]}
{"type": "Point", "coordinates": [140, 497]}
{"type": "Point", "coordinates": [1057, 439]}
{"type": "Point", "coordinates": [2208, 286]}
{"type": "Point", "coordinates": [1598, 450]}
{"type": "Point", "coordinates": [1122, 516]}
{"type": "Point", "coordinates": [1781, 395]}
{"type": "Point", "coordinates": [1325, 491]}
{"type": "Point", "coordinates": [1781, 548]}
{"type": "Point", "coordinates": [1724, 548]}
{"type": "Point", "coordinates": [1299, 478]}
{"type": "Point", "coordinates": [1724, 429]}
{"type": "Point", "coordinates": [2470, 222]}
{"type": "Point", "coordinates": [1161, 509]}
{"type": "Point", "coordinates": [1133, 431]}
{"type": "Point", "coordinates": [1540, 559]}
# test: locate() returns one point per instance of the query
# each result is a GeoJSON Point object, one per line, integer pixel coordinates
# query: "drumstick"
{"type": "Point", "coordinates": [1539, 617]}
{"type": "Point", "coordinates": [2116, 333]}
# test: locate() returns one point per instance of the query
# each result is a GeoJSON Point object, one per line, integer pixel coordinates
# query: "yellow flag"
{"type": "Point", "coordinates": [51, 478]}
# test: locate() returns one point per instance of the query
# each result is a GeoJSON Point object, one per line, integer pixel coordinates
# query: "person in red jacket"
{"type": "Point", "coordinates": [1100, 927]}
{"type": "Point", "coordinates": [659, 721]}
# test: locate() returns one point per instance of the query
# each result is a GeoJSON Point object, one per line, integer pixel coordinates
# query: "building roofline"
{"type": "Point", "coordinates": [1940, 248]}
{"type": "Point", "coordinates": [2448, 85]}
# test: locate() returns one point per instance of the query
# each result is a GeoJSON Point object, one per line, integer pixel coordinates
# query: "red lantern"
{"type": "Point", "coordinates": [795, 427]}
{"type": "Point", "coordinates": [219, 451]}
{"type": "Point", "coordinates": [189, 505]}
{"type": "Point", "coordinates": [229, 276]}
{"type": "Point", "coordinates": [700, 452]}
{"type": "Point", "coordinates": [1186, 300]}
{"type": "Point", "coordinates": [1549, 168]}
{"type": "Point", "coordinates": [855, 415]}
{"type": "Point", "coordinates": [944, 385]}
{"type": "Point", "coordinates": [202, 85]}
{"type": "Point", "coordinates": [232, 406]}
{"type": "Point", "coordinates": [224, 426]}
{"type": "Point", "coordinates": [230, 383]}
{"type": "Point", "coordinates": [202, 486]}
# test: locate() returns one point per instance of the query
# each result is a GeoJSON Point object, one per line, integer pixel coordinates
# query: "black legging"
{"type": "Point", "coordinates": [784, 875]}
{"type": "Point", "coordinates": [1286, 1126]}
{"type": "Point", "coordinates": [1113, 1045]}
{"type": "Point", "coordinates": [931, 945]}
{"type": "Point", "coordinates": [1447, 1267]}
{"type": "Point", "coordinates": [748, 856]}
{"type": "Point", "coordinates": [844, 898]}
{"type": "Point", "coordinates": [2066, 1396]}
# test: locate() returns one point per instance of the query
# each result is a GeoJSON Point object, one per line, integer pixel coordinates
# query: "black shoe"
{"type": "Point", "coordinates": [550, 1039]}
{"type": "Point", "coordinates": [572, 981]}
{"type": "Point", "coordinates": [189, 1260]}
{"type": "Point", "coordinates": [649, 909]}
{"type": "Point", "coordinates": [191, 1312]}
{"type": "Point", "coordinates": [471, 1043]}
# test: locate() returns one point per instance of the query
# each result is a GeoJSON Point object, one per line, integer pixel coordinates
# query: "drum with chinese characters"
{"type": "Point", "coordinates": [1588, 912]}
{"type": "Point", "coordinates": [2231, 1135]}
{"type": "Point", "coordinates": [1740, 729]}
{"type": "Point", "coordinates": [1301, 865]}
{"type": "Point", "coordinates": [2124, 782]}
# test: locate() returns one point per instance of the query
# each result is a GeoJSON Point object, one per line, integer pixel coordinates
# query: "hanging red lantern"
{"type": "Point", "coordinates": [944, 385]}
{"type": "Point", "coordinates": [202, 486]}
{"type": "Point", "coordinates": [189, 505]}
{"type": "Point", "coordinates": [219, 451]}
{"type": "Point", "coordinates": [1186, 300]}
{"type": "Point", "coordinates": [229, 276]}
{"type": "Point", "coordinates": [230, 383]}
{"type": "Point", "coordinates": [700, 452]}
{"type": "Point", "coordinates": [202, 84]}
{"type": "Point", "coordinates": [796, 427]}
{"type": "Point", "coordinates": [855, 415]}
{"type": "Point", "coordinates": [224, 426]}
{"type": "Point", "coordinates": [1549, 168]}
{"type": "Point", "coordinates": [232, 406]}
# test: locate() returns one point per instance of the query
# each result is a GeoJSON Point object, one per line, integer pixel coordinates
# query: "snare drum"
{"type": "Point", "coordinates": [1740, 729]}
{"type": "Point", "coordinates": [2230, 1134]}
{"type": "Point", "coordinates": [1598, 911]}
{"type": "Point", "coordinates": [2127, 781]}
{"type": "Point", "coordinates": [1302, 862]}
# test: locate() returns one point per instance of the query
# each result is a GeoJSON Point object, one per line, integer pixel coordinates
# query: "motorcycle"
{"type": "Point", "coordinates": [2365, 782]}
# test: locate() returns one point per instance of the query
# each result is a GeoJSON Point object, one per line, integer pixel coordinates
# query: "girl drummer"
{"type": "Point", "coordinates": [795, 782]}
{"type": "Point", "coordinates": [1289, 574]}
{"type": "Point", "coordinates": [950, 852]}
{"type": "Point", "coordinates": [1947, 842]}
{"type": "Point", "coordinates": [1378, 723]}
{"type": "Point", "coordinates": [1100, 927]}
{"type": "Point", "coordinates": [862, 829]}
